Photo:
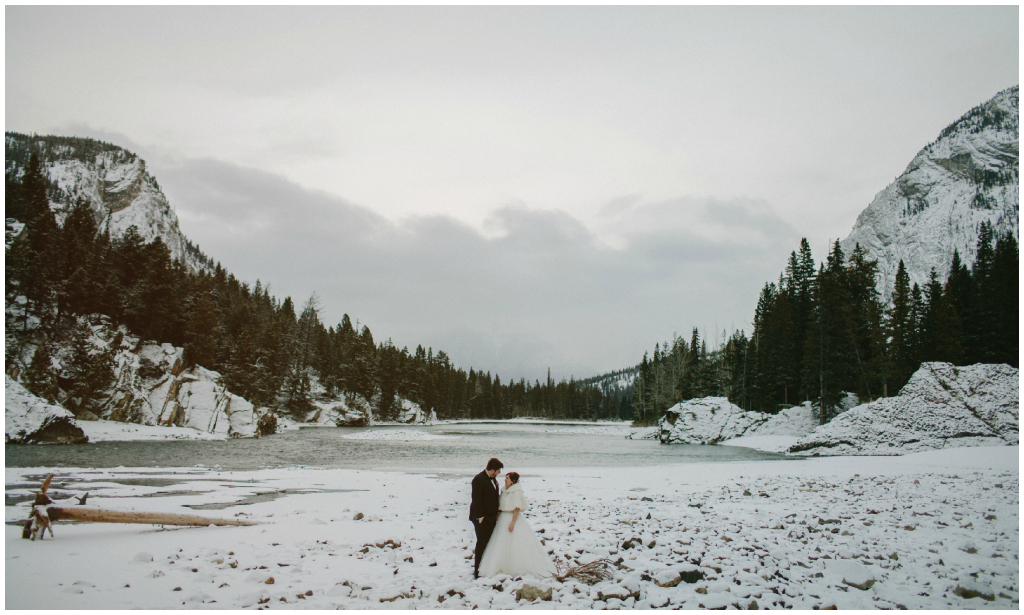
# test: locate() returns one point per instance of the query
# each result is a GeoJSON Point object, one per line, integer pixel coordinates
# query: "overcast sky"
{"type": "Point", "coordinates": [524, 187]}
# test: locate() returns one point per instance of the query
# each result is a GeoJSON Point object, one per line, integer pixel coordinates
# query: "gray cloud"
{"type": "Point", "coordinates": [539, 289]}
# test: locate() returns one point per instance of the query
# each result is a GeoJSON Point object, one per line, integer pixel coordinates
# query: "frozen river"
{"type": "Point", "coordinates": [458, 445]}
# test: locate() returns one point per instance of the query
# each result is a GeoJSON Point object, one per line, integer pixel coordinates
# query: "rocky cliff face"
{"type": "Point", "coordinates": [941, 406]}
{"type": "Point", "coordinates": [113, 180]}
{"type": "Point", "coordinates": [968, 176]}
{"type": "Point", "coordinates": [151, 387]}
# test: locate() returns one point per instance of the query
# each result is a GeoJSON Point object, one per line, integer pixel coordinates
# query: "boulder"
{"type": "Point", "coordinates": [29, 419]}
{"type": "Point", "coordinates": [941, 406]}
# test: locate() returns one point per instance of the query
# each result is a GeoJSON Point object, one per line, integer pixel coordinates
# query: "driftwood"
{"type": "Point", "coordinates": [41, 517]}
{"type": "Point", "coordinates": [590, 573]}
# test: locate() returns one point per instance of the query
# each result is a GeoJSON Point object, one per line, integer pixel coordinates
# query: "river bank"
{"type": "Point", "coordinates": [927, 530]}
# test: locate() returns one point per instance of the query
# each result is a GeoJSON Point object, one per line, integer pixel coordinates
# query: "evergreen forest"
{"type": "Point", "coordinates": [822, 332]}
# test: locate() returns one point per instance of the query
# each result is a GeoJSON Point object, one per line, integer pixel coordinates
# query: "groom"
{"type": "Point", "coordinates": [483, 510]}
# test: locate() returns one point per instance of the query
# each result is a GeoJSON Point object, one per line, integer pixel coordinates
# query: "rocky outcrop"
{"type": "Point", "coordinates": [29, 419]}
{"type": "Point", "coordinates": [941, 406]}
{"type": "Point", "coordinates": [152, 387]}
{"type": "Point", "coordinates": [708, 420]}
{"type": "Point", "coordinates": [114, 181]}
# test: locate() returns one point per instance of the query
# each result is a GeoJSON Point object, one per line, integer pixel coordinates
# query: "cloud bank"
{"type": "Point", "coordinates": [533, 289]}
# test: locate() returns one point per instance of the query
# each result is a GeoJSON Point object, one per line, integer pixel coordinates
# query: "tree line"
{"type": "Point", "coordinates": [269, 351]}
{"type": "Point", "coordinates": [820, 333]}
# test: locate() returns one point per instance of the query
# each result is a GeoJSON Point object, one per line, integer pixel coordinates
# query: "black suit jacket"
{"type": "Point", "coordinates": [485, 497]}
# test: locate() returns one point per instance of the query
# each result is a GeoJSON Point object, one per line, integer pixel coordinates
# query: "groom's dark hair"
{"type": "Point", "coordinates": [494, 464]}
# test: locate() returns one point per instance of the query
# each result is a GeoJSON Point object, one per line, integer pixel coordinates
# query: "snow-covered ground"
{"type": "Point", "coordinates": [925, 530]}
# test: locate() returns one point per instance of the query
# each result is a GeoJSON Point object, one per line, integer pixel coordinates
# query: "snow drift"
{"type": "Point", "coordinates": [941, 406]}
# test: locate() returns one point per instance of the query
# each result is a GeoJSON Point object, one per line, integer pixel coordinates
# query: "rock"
{"type": "Point", "coordinates": [85, 415]}
{"type": "Point", "coordinates": [269, 581]}
{"type": "Point", "coordinates": [668, 578]}
{"type": "Point", "coordinates": [708, 420]}
{"type": "Point", "coordinates": [970, 589]}
{"type": "Point", "coordinates": [941, 406]}
{"type": "Point", "coordinates": [691, 575]}
{"type": "Point", "coordinates": [358, 516]}
{"type": "Point", "coordinates": [29, 419]}
{"type": "Point", "coordinates": [532, 592]}
{"type": "Point", "coordinates": [617, 591]}
{"type": "Point", "coordinates": [854, 573]}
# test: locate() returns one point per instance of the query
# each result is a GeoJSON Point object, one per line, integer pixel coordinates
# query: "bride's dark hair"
{"type": "Point", "coordinates": [514, 476]}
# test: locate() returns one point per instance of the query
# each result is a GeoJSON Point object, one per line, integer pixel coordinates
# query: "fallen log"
{"type": "Point", "coordinates": [97, 515]}
{"type": "Point", "coordinates": [41, 517]}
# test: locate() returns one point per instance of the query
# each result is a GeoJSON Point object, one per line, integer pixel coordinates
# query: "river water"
{"type": "Point", "coordinates": [457, 445]}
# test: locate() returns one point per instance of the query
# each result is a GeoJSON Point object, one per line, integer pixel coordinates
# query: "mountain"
{"type": "Point", "coordinates": [111, 179]}
{"type": "Point", "coordinates": [967, 176]}
{"type": "Point", "coordinates": [619, 382]}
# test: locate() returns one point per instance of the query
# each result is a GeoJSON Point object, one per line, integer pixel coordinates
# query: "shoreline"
{"type": "Point", "coordinates": [757, 531]}
{"type": "Point", "coordinates": [114, 431]}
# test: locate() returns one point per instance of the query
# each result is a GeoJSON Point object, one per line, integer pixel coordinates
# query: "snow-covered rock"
{"type": "Point", "coordinates": [708, 420]}
{"type": "Point", "coordinates": [941, 406]}
{"type": "Point", "coordinates": [969, 175]}
{"type": "Point", "coordinates": [113, 180]}
{"type": "Point", "coordinates": [780, 431]}
{"type": "Point", "coordinates": [351, 411]}
{"type": "Point", "coordinates": [30, 419]}
{"type": "Point", "coordinates": [796, 421]}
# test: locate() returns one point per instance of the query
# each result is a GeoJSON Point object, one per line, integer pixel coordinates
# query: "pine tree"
{"type": "Point", "coordinates": [867, 335]}
{"type": "Point", "coordinates": [33, 257]}
{"type": "Point", "coordinates": [90, 370]}
{"type": "Point", "coordinates": [1005, 288]}
{"type": "Point", "coordinates": [303, 343]}
{"type": "Point", "coordinates": [902, 333]}
{"type": "Point", "coordinates": [41, 379]}
{"type": "Point", "coordinates": [940, 332]}
{"type": "Point", "coordinates": [983, 332]}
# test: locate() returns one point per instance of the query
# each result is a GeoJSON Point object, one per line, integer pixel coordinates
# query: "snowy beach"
{"type": "Point", "coordinates": [927, 530]}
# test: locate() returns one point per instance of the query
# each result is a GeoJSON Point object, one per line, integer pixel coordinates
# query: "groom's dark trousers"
{"type": "Point", "coordinates": [485, 506]}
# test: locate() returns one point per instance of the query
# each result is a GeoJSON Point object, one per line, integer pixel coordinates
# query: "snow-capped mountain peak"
{"type": "Point", "coordinates": [967, 176]}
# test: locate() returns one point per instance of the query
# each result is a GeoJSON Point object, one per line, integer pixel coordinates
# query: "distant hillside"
{"type": "Point", "coordinates": [620, 381]}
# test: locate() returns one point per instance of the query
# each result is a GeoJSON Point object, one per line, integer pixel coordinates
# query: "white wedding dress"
{"type": "Point", "coordinates": [518, 552]}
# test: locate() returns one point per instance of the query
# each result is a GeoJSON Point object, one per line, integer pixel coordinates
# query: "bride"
{"type": "Point", "coordinates": [514, 549]}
